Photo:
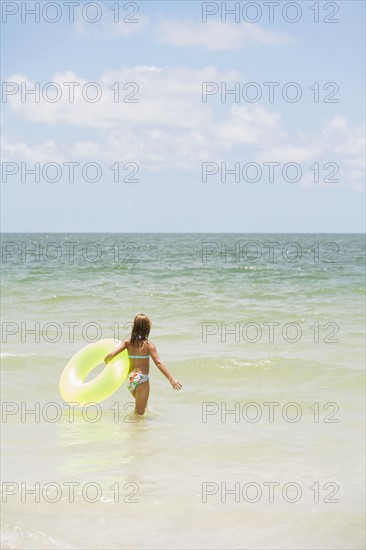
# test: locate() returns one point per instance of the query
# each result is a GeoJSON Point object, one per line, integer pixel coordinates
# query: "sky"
{"type": "Point", "coordinates": [183, 117]}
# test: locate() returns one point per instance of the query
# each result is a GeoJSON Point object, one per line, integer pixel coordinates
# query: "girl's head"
{"type": "Point", "coordinates": [140, 330]}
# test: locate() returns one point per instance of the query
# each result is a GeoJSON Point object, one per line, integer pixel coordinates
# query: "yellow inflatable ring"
{"type": "Point", "coordinates": [72, 385]}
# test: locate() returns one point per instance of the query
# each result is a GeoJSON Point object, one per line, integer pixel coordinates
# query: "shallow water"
{"type": "Point", "coordinates": [275, 404]}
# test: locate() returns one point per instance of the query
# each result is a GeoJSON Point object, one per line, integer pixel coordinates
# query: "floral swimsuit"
{"type": "Point", "coordinates": [135, 379]}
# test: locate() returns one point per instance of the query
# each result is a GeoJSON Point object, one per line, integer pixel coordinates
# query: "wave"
{"type": "Point", "coordinates": [4, 355]}
{"type": "Point", "coordinates": [305, 370]}
{"type": "Point", "coordinates": [61, 298]}
{"type": "Point", "coordinates": [16, 537]}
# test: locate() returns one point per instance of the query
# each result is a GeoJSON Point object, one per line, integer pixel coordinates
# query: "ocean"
{"type": "Point", "coordinates": [263, 448]}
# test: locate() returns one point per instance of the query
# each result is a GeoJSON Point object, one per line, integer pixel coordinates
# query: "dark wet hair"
{"type": "Point", "coordinates": [140, 330]}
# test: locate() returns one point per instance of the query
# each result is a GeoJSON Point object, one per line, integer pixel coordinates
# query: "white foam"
{"type": "Point", "coordinates": [5, 354]}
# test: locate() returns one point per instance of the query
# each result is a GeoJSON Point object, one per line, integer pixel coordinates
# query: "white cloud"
{"type": "Point", "coordinates": [106, 27]}
{"type": "Point", "coordinates": [212, 35]}
{"type": "Point", "coordinates": [45, 152]}
{"type": "Point", "coordinates": [166, 97]}
{"type": "Point", "coordinates": [286, 152]}
{"type": "Point", "coordinates": [170, 126]}
{"type": "Point", "coordinates": [215, 35]}
{"type": "Point", "coordinates": [86, 149]}
{"type": "Point", "coordinates": [336, 142]}
{"type": "Point", "coordinates": [348, 141]}
{"type": "Point", "coordinates": [250, 126]}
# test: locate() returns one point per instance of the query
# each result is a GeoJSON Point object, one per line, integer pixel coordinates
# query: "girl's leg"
{"type": "Point", "coordinates": [132, 392]}
{"type": "Point", "coordinates": [142, 396]}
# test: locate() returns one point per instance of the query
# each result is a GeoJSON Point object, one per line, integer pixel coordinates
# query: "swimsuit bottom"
{"type": "Point", "coordinates": [135, 379]}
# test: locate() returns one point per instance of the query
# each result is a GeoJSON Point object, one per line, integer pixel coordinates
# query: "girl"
{"type": "Point", "coordinates": [139, 351]}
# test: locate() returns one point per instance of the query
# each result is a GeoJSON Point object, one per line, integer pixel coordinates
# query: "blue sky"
{"type": "Point", "coordinates": [170, 133]}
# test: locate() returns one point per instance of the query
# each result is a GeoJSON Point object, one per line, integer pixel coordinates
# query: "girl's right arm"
{"type": "Point", "coordinates": [154, 354]}
{"type": "Point", "coordinates": [114, 353]}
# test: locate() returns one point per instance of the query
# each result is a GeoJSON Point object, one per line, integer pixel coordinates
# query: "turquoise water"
{"type": "Point", "coordinates": [243, 323]}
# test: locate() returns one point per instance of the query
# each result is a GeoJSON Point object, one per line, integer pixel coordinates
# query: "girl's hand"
{"type": "Point", "coordinates": [108, 358]}
{"type": "Point", "coordinates": [175, 384]}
